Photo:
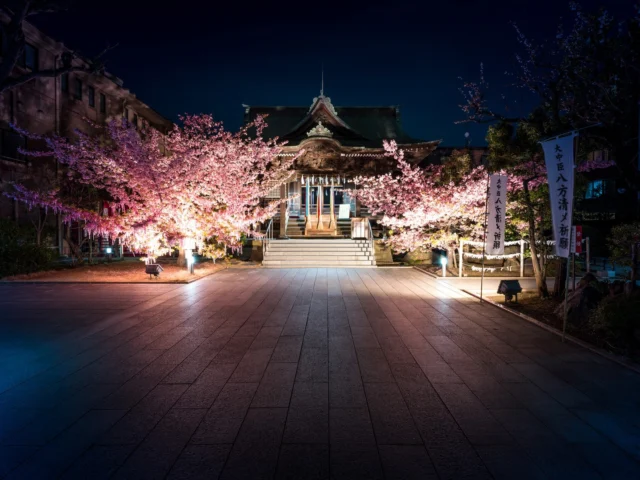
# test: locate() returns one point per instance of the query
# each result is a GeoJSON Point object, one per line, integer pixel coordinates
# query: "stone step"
{"type": "Point", "coordinates": [328, 263]}
{"type": "Point", "coordinates": [316, 241]}
{"type": "Point", "coordinates": [297, 258]}
{"type": "Point", "coordinates": [318, 253]}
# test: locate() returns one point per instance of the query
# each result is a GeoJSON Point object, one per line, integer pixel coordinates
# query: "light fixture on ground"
{"type": "Point", "coordinates": [443, 261]}
{"type": "Point", "coordinates": [108, 251]}
{"type": "Point", "coordinates": [509, 288]}
{"type": "Point", "coordinates": [188, 255]}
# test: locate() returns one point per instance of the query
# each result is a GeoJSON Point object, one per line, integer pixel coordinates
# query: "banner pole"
{"type": "Point", "coordinates": [566, 286]}
{"type": "Point", "coordinates": [484, 242]}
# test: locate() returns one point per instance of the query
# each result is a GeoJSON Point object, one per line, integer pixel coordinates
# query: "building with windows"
{"type": "Point", "coordinates": [61, 104]}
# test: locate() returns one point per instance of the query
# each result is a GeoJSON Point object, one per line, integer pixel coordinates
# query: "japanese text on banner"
{"type": "Point", "coordinates": [497, 200]}
{"type": "Point", "coordinates": [558, 156]}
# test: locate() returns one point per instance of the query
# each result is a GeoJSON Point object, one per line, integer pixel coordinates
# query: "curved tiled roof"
{"type": "Point", "coordinates": [351, 126]}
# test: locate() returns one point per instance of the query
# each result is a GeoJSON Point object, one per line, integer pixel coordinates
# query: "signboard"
{"type": "Point", "coordinates": [343, 211]}
{"type": "Point", "coordinates": [558, 157]}
{"type": "Point", "coordinates": [576, 241]}
{"type": "Point", "coordinates": [497, 199]}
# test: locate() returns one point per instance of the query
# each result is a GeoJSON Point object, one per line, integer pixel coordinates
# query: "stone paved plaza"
{"type": "Point", "coordinates": [308, 373]}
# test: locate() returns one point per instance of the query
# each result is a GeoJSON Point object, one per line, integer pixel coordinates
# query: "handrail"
{"type": "Point", "coordinates": [268, 236]}
{"type": "Point", "coordinates": [286, 220]}
{"type": "Point", "coordinates": [371, 244]}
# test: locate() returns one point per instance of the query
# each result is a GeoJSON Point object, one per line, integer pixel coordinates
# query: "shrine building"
{"type": "Point", "coordinates": [338, 144]}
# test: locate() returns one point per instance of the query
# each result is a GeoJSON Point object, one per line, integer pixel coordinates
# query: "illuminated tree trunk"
{"type": "Point", "coordinates": [539, 271]}
{"type": "Point", "coordinates": [182, 259]}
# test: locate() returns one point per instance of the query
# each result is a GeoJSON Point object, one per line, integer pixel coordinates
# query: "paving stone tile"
{"type": "Point", "coordinates": [449, 448]}
{"type": "Point", "coordinates": [313, 365]}
{"type": "Point", "coordinates": [252, 366]}
{"type": "Point", "coordinates": [346, 393]}
{"type": "Point", "coordinates": [255, 452]}
{"type": "Point", "coordinates": [276, 386]}
{"type": "Point", "coordinates": [350, 426]}
{"type": "Point", "coordinates": [373, 365]}
{"type": "Point", "coordinates": [287, 349]}
{"type": "Point", "coordinates": [160, 449]}
{"type": "Point", "coordinates": [356, 462]}
{"type": "Point", "coordinates": [310, 394]}
{"type": "Point", "coordinates": [395, 350]}
{"type": "Point", "coordinates": [406, 462]}
{"type": "Point", "coordinates": [137, 388]}
{"type": "Point", "coordinates": [13, 455]}
{"type": "Point", "coordinates": [223, 420]}
{"type": "Point", "coordinates": [392, 421]}
{"type": "Point", "coordinates": [508, 461]}
{"type": "Point", "coordinates": [99, 462]}
{"type": "Point", "coordinates": [142, 418]}
{"type": "Point", "coordinates": [206, 388]}
{"type": "Point", "coordinates": [308, 461]}
{"type": "Point", "coordinates": [307, 424]}
{"type": "Point", "coordinates": [234, 350]}
{"type": "Point", "coordinates": [200, 462]}
{"type": "Point", "coordinates": [55, 457]}
{"type": "Point", "coordinates": [51, 423]}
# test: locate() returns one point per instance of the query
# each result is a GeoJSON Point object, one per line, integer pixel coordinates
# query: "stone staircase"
{"type": "Point", "coordinates": [295, 227]}
{"type": "Point", "coordinates": [316, 252]}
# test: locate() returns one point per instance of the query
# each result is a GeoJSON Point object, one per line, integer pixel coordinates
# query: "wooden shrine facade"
{"type": "Point", "coordinates": [334, 144]}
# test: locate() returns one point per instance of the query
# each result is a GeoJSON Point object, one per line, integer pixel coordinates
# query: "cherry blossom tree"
{"type": "Point", "coordinates": [425, 208]}
{"type": "Point", "coordinates": [430, 207]}
{"type": "Point", "coordinates": [199, 182]}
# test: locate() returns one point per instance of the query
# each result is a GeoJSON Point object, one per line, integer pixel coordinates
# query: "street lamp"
{"type": "Point", "coordinates": [108, 251]}
{"type": "Point", "coordinates": [443, 262]}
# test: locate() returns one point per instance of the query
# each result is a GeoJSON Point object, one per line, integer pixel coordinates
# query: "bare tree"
{"type": "Point", "coordinates": [15, 44]}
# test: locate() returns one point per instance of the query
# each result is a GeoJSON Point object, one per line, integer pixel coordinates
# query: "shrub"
{"type": "Point", "coordinates": [616, 322]}
{"type": "Point", "coordinates": [19, 252]}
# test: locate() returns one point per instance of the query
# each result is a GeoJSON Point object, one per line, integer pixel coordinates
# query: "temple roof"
{"type": "Point", "coordinates": [350, 126]}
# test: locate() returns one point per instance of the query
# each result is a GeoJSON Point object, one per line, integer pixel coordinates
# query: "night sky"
{"type": "Point", "coordinates": [210, 58]}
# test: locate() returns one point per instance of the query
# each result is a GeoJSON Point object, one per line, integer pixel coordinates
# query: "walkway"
{"type": "Point", "coordinates": [309, 373]}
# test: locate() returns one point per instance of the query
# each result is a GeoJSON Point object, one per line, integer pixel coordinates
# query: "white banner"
{"type": "Point", "coordinates": [497, 200]}
{"type": "Point", "coordinates": [558, 156]}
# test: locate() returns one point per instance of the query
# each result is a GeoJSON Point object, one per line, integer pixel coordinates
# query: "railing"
{"type": "Point", "coordinates": [371, 244]}
{"type": "Point", "coordinates": [268, 236]}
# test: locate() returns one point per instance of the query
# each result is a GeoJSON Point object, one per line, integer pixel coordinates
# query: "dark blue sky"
{"type": "Point", "coordinates": [210, 58]}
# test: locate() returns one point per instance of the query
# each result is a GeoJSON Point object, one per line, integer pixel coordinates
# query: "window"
{"type": "Point", "coordinates": [64, 83]}
{"type": "Point", "coordinates": [134, 121]}
{"type": "Point", "coordinates": [126, 114]}
{"type": "Point", "coordinates": [10, 142]}
{"type": "Point", "coordinates": [103, 103]}
{"type": "Point", "coordinates": [77, 92]}
{"type": "Point", "coordinates": [91, 92]}
{"type": "Point", "coordinates": [599, 188]}
{"type": "Point", "coordinates": [29, 57]}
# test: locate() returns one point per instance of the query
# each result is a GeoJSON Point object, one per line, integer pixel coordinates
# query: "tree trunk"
{"type": "Point", "coordinates": [182, 260]}
{"type": "Point", "coordinates": [539, 272]}
{"type": "Point", "coordinates": [562, 271]}
{"type": "Point", "coordinates": [451, 253]}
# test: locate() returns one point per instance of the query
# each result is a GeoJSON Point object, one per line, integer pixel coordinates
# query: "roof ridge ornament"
{"type": "Point", "coordinates": [326, 101]}
{"type": "Point", "coordinates": [319, 131]}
